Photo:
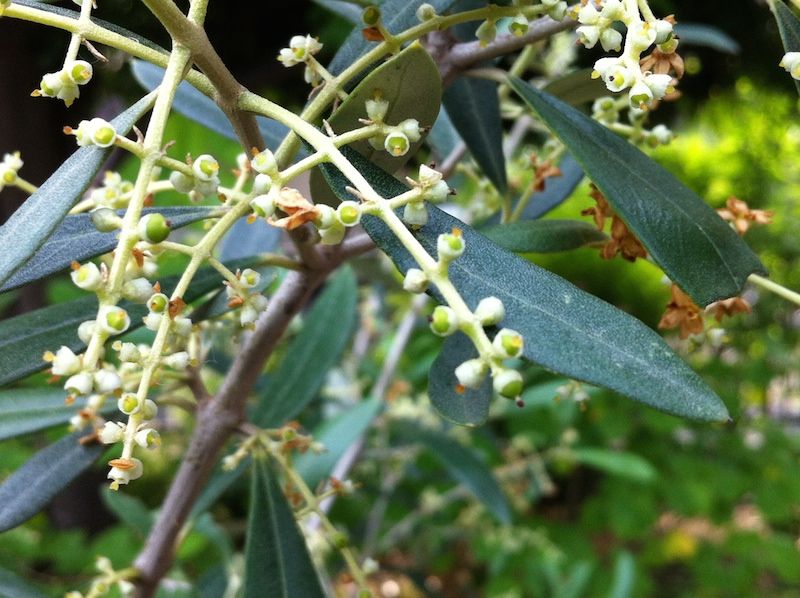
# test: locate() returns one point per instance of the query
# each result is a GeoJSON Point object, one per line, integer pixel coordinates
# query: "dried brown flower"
{"type": "Point", "coordinates": [729, 307]}
{"type": "Point", "coordinates": [740, 214]}
{"type": "Point", "coordinates": [682, 313]}
{"type": "Point", "coordinates": [297, 208]}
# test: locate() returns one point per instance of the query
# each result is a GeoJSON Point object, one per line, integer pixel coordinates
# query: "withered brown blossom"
{"type": "Point", "coordinates": [682, 313]}
{"type": "Point", "coordinates": [623, 242]}
{"type": "Point", "coordinates": [741, 216]}
{"type": "Point", "coordinates": [729, 307]}
{"type": "Point", "coordinates": [297, 208]}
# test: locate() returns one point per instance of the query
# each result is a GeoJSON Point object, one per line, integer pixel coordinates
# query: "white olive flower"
{"type": "Point", "coordinates": [508, 343]}
{"type": "Point", "coordinates": [415, 213]}
{"type": "Point", "coordinates": [106, 381]}
{"type": "Point", "coordinates": [791, 62]}
{"type": "Point", "coordinates": [79, 384]}
{"type": "Point", "coordinates": [264, 163]}
{"type": "Point", "coordinates": [205, 168]}
{"type": "Point", "coordinates": [507, 383]}
{"type": "Point", "coordinates": [299, 50]}
{"type": "Point", "coordinates": [471, 373]}
{"type": "Point", "coordinates": [64, 362]}
{"type": "Point", "coordinates": [444, 321]}
{"type": "Point", "coordinates": [450, 245]}
{"type": "Point", "coordinates": [490, 311]}
{"type": "Point", "coordinates": [147, 438]}
{"type": "Point", "coordinates": [112, 432]}
{"type": "Point", "coordinates": [415, 281]}
{"type": "Point", "coordinates": [349, 213]}
{"type": "Point", "coordinates": [87, 277]}
{"type": "Point", "coordinates": [124, 471]}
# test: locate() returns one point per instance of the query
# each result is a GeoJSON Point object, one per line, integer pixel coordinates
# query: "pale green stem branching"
{"type": "Point", "coordinates": [774, 287]}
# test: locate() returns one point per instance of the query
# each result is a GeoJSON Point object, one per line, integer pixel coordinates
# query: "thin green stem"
{"type": "Point", "coordinates": [27, 187]}
{"type": "Point", "coordinates": [774, 287]}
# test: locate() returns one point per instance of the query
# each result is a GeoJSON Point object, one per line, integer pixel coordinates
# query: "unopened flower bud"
{"type": "Point", "coordinates": [79, 71]}
{"type": "Point", "coordinates": [425, 12]}
{"type": "Point", "coordinates": [106, 381]}
{"type": "Point", "coordinates": [249, 278]}
{"type": "Point", "coordinates": [415, 213]}
{"type": "Point", "coordinates": [112, 432]}
{"type": "Point", "coordinates": [181, 182]}
{"type": "Point", "coordinates": [153, 228]}
{"type": "Point", "coordinates": [664, 31]}
{"type": "Point", "coordinates": [205, 167]}
{"type": "Point", "coordinates": [128, 352]}
{"type": "Point", "coordinates": [397, 143]}
{"type": "Point", "coordinates": [471, 373]}
{"type": "Point", "coordinates": [86, 331]}
{"type": "Point", "coordinates": [79, 384]}
{"type": "Point", "coordinates": [333, 234]}
{"type": "Point", "coordinates": [611, 39]}
{"type": "Point", "coordinates": [177, 361]}
{"type": "Point", "coordinates": [149, 409]}
{"type": "Point", "coordinates": [415, 281]}
{"type": "Point", "coordinates": [371, 15]}
{"type": "Point", "coordinates": [128, 403]}
{"type": "Point", "coordinates": [262, 184]}
{"type": "Point", "coordinates": [428, 177]}
{"type": "Point", "coordinates": [158, 303]}
{"type": "Point", "coordinates": [87, 277]}
{"type": "Point", "coordinates": [508, 383]}
{"type": "Point", "coordinates": [349, 213]}
{"type": "Point", "coordinates": [264, 163]}
{"type": "Point", "coordinates": [105, 220]}
{"type": "Point", "coordinates": [490, 311]}
{"type": "Point", "coordinates": [376, 109]}
{"type": "Point", "coordinates": [263, 205]}
{"type": "Point", "coordinates": [508, 343]}
{"type": "Point", "coordinates": [64, 362]}
{"type": "Point", "coordinates": [519, 25]}
{"type": "Point", "coordinates": [147, 438]}
{"type": "Point", "coordinates": [138, 290]}
{"type": "Point", "coordinates": [444, 321]}
{"type": "Point", "coordinates": [450, 245]}
{"type": "Point", "coordinates": [438, 193]}
{"type": "Point", "coordinates": [486, 32]}
{"type": "Point", "coordinates": [791, 62]}
{"type": "Point", "coordinates": [114, 320]}
{"type": "Point", "coordinates": [410, 127]}
{"type": "Point", "coordinates": [326, 216]}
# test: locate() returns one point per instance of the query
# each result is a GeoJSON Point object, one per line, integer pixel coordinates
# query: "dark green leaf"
{"type": "Point", "coordinates": [12, 586]}
{"type": "Point", "coordinates": [543, 236]}
{"type": "Point", "coordinates": [36, 219]}
{"type": "Point", "coordinates": [25, 338]}
{"type": "Point", "coordinates": [277, 563]}
{"type": "Point", "coordinates": [577, 88]}
{"type": "Point", "coordinates": [337, 434]}
{"type": "Point", "coordinates": [568, 330]}
{"type": "Point", "coordinates": [467, 408]}
{"type": "Point", "coordinates": [195, 106]}
{"type": "Point", "coordinates": [28, 490]}
{"type": "Point", "coordinates": [577, 579]}
{"type": "Point", "coordinates": [474, 109]}
{"type": "Point", "coordinates": [130, 510]}
{"type": "Point", "coordinates": [789, 27]}
{"type": "Point", "coordinates": [76, 239]}
{"type": "Point", "coordinates": [347, 10]}
{"type": "Point", "coordinates": [466, 468]}
{"type": "Point", "coordinates": [626, 465]}
{"type": "Point", "coordinates": [694, 246]}
{"type": "Point", "coordinates": [624, 576]}
{"type": "Point", "coordinates": [71, 14]}
{"type": "Point", "coordinates": [443, 137]}
{"type": "Point", "coordinates": [397, 15]}
{"type": "Point", "coordinates": [701, 34]}
{"type": "Point", "coordinates": [25, 410]}
{"type": "Point", "coordinates": [246, 240]}
{"type": "Point", "coordinates": [326, 330]}
{"type": "Point", "coordinates": [411, 83]}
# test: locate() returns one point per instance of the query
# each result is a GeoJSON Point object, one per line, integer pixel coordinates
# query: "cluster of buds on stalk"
{"type": "Point", "coordinates": [245, 295]}
{"type": "Point", "coordinates": [518, 24]}
{"type": "Point", "coordinates": [623, 72]}
{"type": "Point", "coordinates": [301, 50]}
{"type": "Point", "coordinates": [64, 84]}
{"type": "Point", "coordinates": [203, 181]}
{"type": "Point", "coordinates": [608, 111]}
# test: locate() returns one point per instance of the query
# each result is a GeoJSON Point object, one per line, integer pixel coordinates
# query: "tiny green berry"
{"type": "Point", "coordinates": [349, 213]}
{"type": "Point", "coordinates": [153, 228]}
{"type": "Point", "coordinates": [444, 321]}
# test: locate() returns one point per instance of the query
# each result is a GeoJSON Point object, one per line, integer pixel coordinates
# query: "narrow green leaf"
{"type": "Point", "coordinates": [277, 563]}
{"type": "Point", "coordinates": [410, 82]}
{"type": "Point", "coordinates": [194, 105]}
{"type": "Point", "coordinates": [130, 510]}
{"type": "Point", "coordinates": [702, 34]}
{"type": "Point", "coordinates": [28, 490]}
{"type": "Point", "coordinates": [72, 14]}
{"type": "Point", "coordinates": [543, 236]}
{"type": "Point", "coordinates": [25, 338]}
{"type": "Point", "coordinates": [626, 465]}
{"type": "Point", "coordinates": [25, 410]}
{"type": "Point", "coordinates": [220, 481]}
{"type": "Point", "coordinates": [578, 87]}
{"type": "Point", "coordinates": [36, 219]}
{"type": "Point", "coordinates": [347, 10]}
{"type": "Point", "coordinates": [326, 330]}
{"type": "Point", "coordinates": [397, 16]}
{"type": "Point", "coordinates": [337, 434]}
{"type": "Point", "coordinates": [12, 586]}
{"type": "Point", "coordinates": [443, 137]}
{"type": "Point", "coordinates": [76, 239]}
{"type": "Point", "coordinates": [694, 246]}
{"type": "Point", "coordinates": [246, 240]}
{"type": "Point", "coordinates": [462, 463]}
{"type": "Point", "coordinates": [474, 109]}
{"type": "Point", "coordinates": [568, 330]}
{"type": "Point", "coordinates": [467, 408]}
{"type": "Point", "coordinates": [624, 576]}
{"type": "Point", "coordinates": [789, 28]}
